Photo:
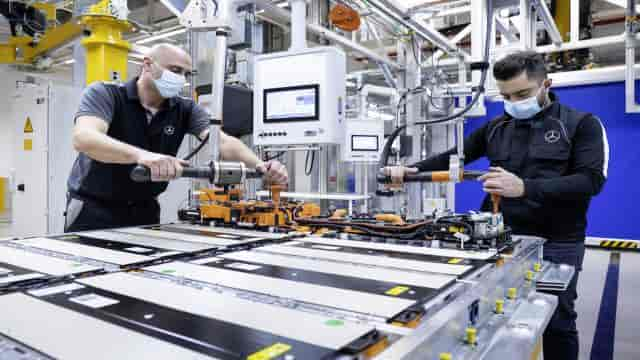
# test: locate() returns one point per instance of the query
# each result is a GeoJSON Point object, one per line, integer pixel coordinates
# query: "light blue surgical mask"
{"type": "Point", "coordinates": [523, 109]}
{"type": "Point", "coordinates": [169, 84]}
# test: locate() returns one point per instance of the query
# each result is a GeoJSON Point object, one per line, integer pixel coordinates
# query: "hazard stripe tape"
{"type": "Point", "coordinates": [619, 244]}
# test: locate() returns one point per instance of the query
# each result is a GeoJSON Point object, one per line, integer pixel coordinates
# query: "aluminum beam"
{"type": "Point", "coordinates": [549, 23]}
{"type": "Point", "coordinates": [392, 11]}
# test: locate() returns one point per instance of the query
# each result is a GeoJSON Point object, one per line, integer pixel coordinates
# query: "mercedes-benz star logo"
{"type": "Point", "coordinates": [169, 130]}
{"type": "Point", "coordinates": [552, 136]}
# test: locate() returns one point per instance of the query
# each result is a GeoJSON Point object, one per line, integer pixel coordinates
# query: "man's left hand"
{"type": "Point", "coordinates": [274, 172]}
{"type": "Point", "coordinates": [501, 182]}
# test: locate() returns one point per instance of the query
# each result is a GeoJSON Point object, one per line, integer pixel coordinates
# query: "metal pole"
{"type": "Point", "coordinates": [630, 59]}
{"type": "Point", "coordinates": [217, 92]}
{"type": "Point", "coordinates": [575, 21]}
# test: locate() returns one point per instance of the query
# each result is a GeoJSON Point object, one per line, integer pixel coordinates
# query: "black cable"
{"type": "Point", "coordinates": [276, 156]}
{"type": "Point", "coordinates": [309, 169]}
{"type": "Point", "coordinates": [215, 12]}
{"type": "Point", "coordinates": [456, 223]}
{"type": "Point", "coordinates": [197, 149]}
{"type": "Point", "coordinates": [413, 48]}
{"type": "Point", "coordinates": [387, 147]}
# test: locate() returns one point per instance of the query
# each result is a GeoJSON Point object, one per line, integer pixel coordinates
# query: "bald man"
{"type": "Point", "coordinates": [141, 122]}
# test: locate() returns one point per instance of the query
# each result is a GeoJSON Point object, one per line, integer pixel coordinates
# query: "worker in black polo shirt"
{"type": "Point", "coordinates": [547, 162]}
{"type": "Point", "coordinates": [141, 122]}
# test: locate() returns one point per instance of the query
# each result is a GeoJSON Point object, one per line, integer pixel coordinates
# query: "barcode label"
{"type": "Point", "coordinates": [93, 300]}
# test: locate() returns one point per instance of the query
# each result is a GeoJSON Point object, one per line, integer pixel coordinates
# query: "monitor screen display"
{"type": "Point", "coordinates": [299, 103]}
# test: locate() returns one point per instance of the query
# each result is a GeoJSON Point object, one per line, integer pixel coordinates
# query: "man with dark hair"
{"type": "Point", "coordinates": [547, 161]}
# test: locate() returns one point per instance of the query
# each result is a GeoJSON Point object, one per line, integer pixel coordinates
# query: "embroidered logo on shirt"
{"type": "Point", "coordinates": [552, 136]}
{"type": "Point", "coordinates": [169, 130]}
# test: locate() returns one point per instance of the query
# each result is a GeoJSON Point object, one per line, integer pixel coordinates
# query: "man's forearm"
{"type": "Point", "coordinates": [435, 163]}
{"type": "Point", "coordinates": [104, 148]}
{"type": "Point", "coordinates": [570, 187]}
{"type": "Point", "coordinates": [233, 149]}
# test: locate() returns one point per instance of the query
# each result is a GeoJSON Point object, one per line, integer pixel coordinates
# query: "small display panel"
{"type": "Point", "coordinates": [364, 143]}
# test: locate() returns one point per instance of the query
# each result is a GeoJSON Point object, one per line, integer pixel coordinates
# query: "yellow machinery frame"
{"type": "Point", "coordinates": [107, 51]}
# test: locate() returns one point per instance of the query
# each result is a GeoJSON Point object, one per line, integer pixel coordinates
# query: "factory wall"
{"type": "Point", "coordinates": [613, 213]}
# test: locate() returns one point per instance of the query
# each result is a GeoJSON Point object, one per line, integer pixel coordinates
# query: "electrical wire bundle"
{"type": "Point", "coordinates": [480, 90]}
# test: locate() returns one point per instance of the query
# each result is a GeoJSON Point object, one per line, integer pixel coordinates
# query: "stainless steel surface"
{"type": "Point", "coordinates": [525, 317]}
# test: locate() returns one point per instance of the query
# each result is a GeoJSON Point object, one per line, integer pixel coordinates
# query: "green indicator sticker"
{"type": "Point", "coordinates": [334, 322]}
{"type": "Point", "coordinates": [76, 264]}
{"type": "Point", "coordinates": [168, 271]}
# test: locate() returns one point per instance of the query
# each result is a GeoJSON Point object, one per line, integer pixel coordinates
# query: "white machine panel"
{"type": "Point", "coordinates": [43, 157]}
{"type": "Point", "coordinates": [300, 97]}
{"type": "Point", "coordinates": [363, 141]}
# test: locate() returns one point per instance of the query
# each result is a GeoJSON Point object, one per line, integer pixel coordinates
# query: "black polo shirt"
{"type": "Point", "coordinates": [129, 122]}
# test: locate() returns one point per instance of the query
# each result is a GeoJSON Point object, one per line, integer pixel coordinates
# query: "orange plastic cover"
{"type": "Point", "coordinates": [345, 18]}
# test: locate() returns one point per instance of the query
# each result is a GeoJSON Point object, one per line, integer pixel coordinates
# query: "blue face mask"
{"type": "Point", "coordinates": [523, 109]}
{"type": "Point", "coordinates": [170, 84]}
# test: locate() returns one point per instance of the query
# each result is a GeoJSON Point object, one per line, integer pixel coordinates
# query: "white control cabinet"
{"type": "Point", "coordinates": [299, 97]}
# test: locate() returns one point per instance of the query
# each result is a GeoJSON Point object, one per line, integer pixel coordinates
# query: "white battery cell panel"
{"type": "Point", "coordinates": [372, 260]}
{"type": "Point", "coordinates": [355, 301]}
{"type": "Point", "coordinates": [231, 309]}
{"type": "Point", "coordinates": [40, 263]}
{"type": "Point", "coordinates": [91, 252]}
{"type": "Point", "coordinates": [232, 231]}
{"type": "Point", "coordinates": [143, 240]}
{"type": "Point", "coordinates": [203, 239]}
{"type": "Point", "coordinates": [65, 334]}
{"type": "Point", "coordinates": [434, 281]}
{"type": "Point", "coordinates": [452, 253]}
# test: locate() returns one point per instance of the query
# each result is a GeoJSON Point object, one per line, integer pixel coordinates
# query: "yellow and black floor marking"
{"type": "Point", "coordinates": [619, 244]}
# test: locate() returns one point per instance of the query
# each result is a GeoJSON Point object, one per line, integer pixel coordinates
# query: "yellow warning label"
{"type": "Point", "coordinates": [28, 126]}
{"type": "Point", "coordinates": [69, 237]}
{"type": "Point", "coordinates": [455, 261]}
{"type": "Point", "coordinates": [271, 352]}
{"type": "Point", "coordinates": [397, 290]}
{"type": "Point", "coordinates": [28, 144]}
